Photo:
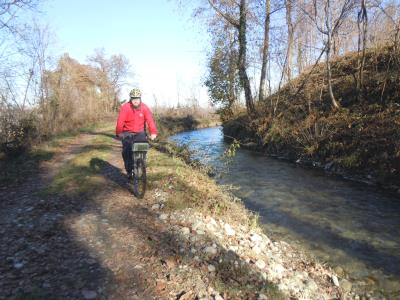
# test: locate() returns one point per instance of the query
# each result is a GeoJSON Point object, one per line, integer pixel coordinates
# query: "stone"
{"type": "Point", "coordinates": [262, 297]}
{"type": "Point", "coordinates": [211, 250]}
{"type": "Point", "coordinates": [218, 297]}
{"type": "Point", "coordinates": [339, 270]}
{"type": "Point", "coordinates": [91, 261]}
{"type": "Point", "coordinates": [18, 265]}
{"type": "Point", "coordinates": [213, 222]}
{"type": "Point", "coordinates": [211, 268]}
{"type": "Point", "coordinates": [255, 238]}
{"type": "Point", "coordinates": [89, 294]}
{"type": "Point", "coordinates": [185, 230]}
{"type": "Point", "coordinates": [277, 269]}
{"type": "Point", "coordinates": [335, 280]}
{"type": "Point", "coordinates": [163, 217]}
{"type": "Point", "coordinates": [185, 295]}
{"type": "Point", "coordinates": [156, 206]}
{"type": "Point", "coordinates": [229, 230]}
{"type": "Point", "coordinates": [170, 262]}
{"type": "Point", "coordinates": [197, 226]}
{"type": "Point", "coordinates": [257, 250]}
{"type": "Point", "coordinates": [160, 286]}
{"type": "Point", "coordinates": [328, 166]}
{"type": "Point", "coordinates": [346, 285]}
{"type": "Point", "coordinates": [260, 264]}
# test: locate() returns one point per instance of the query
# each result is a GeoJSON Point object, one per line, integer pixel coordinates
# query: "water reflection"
{"type": "Point", "coordinates": [337, 221]}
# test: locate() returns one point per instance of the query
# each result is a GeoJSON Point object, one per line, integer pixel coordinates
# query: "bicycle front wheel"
{"type": "Point", "coordinates": [139, 178]}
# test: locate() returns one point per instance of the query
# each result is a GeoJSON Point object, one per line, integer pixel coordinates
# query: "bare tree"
{"type": "Point", "coordinates": [362, 23]}
{"type": "Point", "coordinates": [290, 38]}
{"type": "Point", "coordinates": [265, 50]}
{"type": "Point", "coordinates": [329, 25]}
{"type": "Point", "coordinates": [114, 71]}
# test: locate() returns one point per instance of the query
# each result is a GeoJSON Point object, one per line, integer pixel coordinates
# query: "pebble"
{"type": "Point", "coordinates": [346, 285]}
{"type": "Point", "coordinates": [262, 297]}
{"type": "Point", "coordinates": [185, 230]}
{"type": "Point", "coordinates": [211, 250]}
{"type": "Point", "coordinates": [335, 280]}
{"type": "Point", "coordinates": [339, 270]}
{"type": "Point", "coordinates": [89, 294]}
{"type": "Point", "coordinates": [254, 237]}
{"type": "Point", "coordinates": [260, 264]}
{"type": "Point", "coordinates": [278, 269]}
{"type": "Point", "coordinates": [257, 250]}
{"type": "Point", "coordinates": [18, 265]}
{"type": "Point", "coordinates": [229, 230]}
{"type": "Point", "coordinates": [163, 217]}
{"type": "Point", "coordinates": [218, 297]}
{"type": "Point", "coordinates": [156, 206]}
{"type": "Point", "coordinates": [211, 268]}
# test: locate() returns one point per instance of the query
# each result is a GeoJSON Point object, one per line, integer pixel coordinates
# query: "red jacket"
{"type": "Point", "coordinates": [132, 120]}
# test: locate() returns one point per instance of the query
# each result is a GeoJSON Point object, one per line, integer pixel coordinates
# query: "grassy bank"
{"type": "Point", "coordinates": [361, 138]}
{"type": "Point", "coordinates": [189, 199]}
{"type": "Point", "coordinates": [169, 125]}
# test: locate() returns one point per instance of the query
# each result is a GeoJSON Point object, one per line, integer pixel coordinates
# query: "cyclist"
{"type": "Point", "coordinates": [132, 118]}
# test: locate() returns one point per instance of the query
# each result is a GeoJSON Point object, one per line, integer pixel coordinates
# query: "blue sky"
{"type": "Point", "coordinates": [166, 48]}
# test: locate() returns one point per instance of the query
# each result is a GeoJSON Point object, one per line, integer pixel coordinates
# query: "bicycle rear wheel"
{"type": "Point", "coordinates": [139, 178]}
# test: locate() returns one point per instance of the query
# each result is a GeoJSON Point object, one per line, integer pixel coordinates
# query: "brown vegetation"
{"type": "Point", "coordinates": [361, 137]}
{"type": "Point", "coordinates": [184, 118]}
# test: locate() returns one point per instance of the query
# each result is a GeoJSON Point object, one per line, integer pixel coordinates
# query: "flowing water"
{"type": "Point", "coordinates": [350, 226]}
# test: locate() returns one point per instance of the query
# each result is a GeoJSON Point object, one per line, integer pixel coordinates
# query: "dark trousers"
{"type": "Point", "coordinates": [127, 141]}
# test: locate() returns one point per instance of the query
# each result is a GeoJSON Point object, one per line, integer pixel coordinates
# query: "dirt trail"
{"type": "Point", "coordinates": [89, 238]}
{"type": "Point", "coordinates": [106, 245]}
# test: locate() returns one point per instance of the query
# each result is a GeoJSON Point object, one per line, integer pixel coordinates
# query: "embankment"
{"type": "Point", "coordinates": [360, 140]}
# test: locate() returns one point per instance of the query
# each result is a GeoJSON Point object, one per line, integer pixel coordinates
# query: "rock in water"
{"type": "Point", "coordinates": [89, 294]}
{"type": "Point", "coordinates": [346, 285]}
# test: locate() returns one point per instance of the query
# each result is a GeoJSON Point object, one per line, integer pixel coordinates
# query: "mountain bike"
{"type": "Point", "coordinates": [138, 178]}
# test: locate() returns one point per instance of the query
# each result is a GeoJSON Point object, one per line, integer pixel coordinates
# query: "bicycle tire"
{"type": "Point", "coordinates": [139, 178]}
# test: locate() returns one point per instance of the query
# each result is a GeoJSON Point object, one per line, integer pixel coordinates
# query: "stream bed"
{"type": "Point", "coordinates": [352, 227]}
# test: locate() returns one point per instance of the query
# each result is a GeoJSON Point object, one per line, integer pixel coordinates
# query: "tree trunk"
{"type": "Point", "coordinates": [328, 53]}
{"type": "Point", "coordinates": [265, 51]}
{"type": "Point", "coordinates": [244, 79]}
{"type": "Point", "coordinates": [362, 18]}
{"type": "Point", "coordinates": [289, 63]}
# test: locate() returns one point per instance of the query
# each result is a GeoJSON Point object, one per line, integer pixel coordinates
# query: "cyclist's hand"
{"type": "Point", "coordinates": [153, 136]}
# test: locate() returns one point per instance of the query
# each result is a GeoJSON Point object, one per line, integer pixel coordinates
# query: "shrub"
{"type": "Point", "coordinates": [17, 131]}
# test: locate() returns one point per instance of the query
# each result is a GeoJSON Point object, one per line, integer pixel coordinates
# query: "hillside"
{"type": "Point", "coordinates": [361, 138]}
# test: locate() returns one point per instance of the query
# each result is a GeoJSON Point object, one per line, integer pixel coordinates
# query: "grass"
{"type": "Point", "coordinates": [14, 170]}
{"type": "Point", "coordinates": [189, 187]}
{"type": "Point", "coordinates": [81, 175]}
{"type": "Point", "coordinates": [361, 137]}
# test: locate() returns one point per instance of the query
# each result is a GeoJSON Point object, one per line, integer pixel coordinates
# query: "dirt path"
{"type": "Point", "coordinates": [75, 231]}
{"type": "Point", "coordinates": [97, 246]}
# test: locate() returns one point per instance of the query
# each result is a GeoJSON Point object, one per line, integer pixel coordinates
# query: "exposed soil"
{"type": "Point", "coordinates": [106, 244]}
{"type": "Point", "coordinates": [62, 247]}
